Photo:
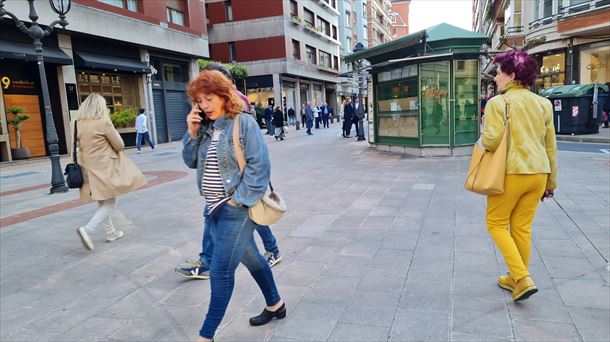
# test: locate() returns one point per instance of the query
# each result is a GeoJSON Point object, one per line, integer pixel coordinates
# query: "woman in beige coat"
{"type": "Point", "coordinates": [107, 170]}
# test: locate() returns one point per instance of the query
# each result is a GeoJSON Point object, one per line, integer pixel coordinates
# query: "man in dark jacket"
{"type": "Point", "coordinates": [268, 118]}
{"type": "Point", "coordinates": [291, 116]}
{"type": "Point", "coordinates": [358, 116]}
{"type": "Point", "coordinates": [348, 113]}
{"type": "Point", "coordinates": [309, 118]}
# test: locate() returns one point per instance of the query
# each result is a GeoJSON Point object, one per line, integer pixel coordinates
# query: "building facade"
{"type": "Point", "coordinates": [400, 18]}
{"type": "Point", "coordinates": [570, 38]}
{"type": "Point", "coordinates": [136, 54]}
{"type": "Point", "coordinates": [291, 48]}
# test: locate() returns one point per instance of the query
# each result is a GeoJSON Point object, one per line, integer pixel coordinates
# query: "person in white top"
{"type": "Point", "coordinates": [142, 130]}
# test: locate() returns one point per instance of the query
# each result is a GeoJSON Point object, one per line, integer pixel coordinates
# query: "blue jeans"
{"type": "Point", "coordinates": [139, 140]}
{"type": "Point", "coordinates": [232, 232]}
{"type": "Point", "coordinates": [207, 246]}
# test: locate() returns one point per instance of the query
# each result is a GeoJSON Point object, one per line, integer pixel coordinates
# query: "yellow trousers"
{"type": "Point", "coordinates": [510, 216]}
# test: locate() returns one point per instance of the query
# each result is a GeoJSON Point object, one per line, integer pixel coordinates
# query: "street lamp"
{"type": "Point", "coordinates": [61, 7]}
{"type": "Point", "coordinates": [358, 64]}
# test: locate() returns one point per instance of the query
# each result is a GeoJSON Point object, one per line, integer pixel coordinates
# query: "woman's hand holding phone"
{"type": "Point", "coordinates": [194, 120]}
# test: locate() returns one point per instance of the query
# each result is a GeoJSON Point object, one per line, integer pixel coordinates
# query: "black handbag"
{"type": "Point", "coordinates": [73, 172]}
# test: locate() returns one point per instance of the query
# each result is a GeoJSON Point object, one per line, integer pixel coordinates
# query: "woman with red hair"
{"type": "Point", "coordinates": [208, 147]}
{"type": "Point", "coordinates": [531, 165]}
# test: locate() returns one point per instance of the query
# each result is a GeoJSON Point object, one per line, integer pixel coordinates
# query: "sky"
{"type": "Point", "coordinates": [426, 13]}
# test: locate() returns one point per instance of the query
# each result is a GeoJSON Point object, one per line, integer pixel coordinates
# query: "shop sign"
{"type": "Point", "coordinates": [17, 81]}
{"type": "Point", "coordinates": [557, 105]}
{"type": "Point", "coordinates": [550, 70]}
{"type": "Point", "coordinates": [435, 93]}
{"type": "Point", "coordinates": [574, 111]}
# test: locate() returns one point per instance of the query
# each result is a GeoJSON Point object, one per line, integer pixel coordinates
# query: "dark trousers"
{"type": "Point", "coordinates": [347, 126]}
{"type": "Point", "coordinates": [309, 126]}
{"type": "Point", "coordinates": [317, 122]}
{"type": "Point", "coordinates": [325, 120]}
{"type": "Point", "coordinates": [303, 120]}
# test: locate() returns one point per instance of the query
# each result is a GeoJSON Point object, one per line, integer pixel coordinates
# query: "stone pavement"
{"type": "Point", "coordinates": [377, 247]}
{"type": "Point", "coordinates": [603, 137]}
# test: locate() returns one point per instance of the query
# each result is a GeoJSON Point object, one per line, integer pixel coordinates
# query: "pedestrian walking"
{"type": "Point", "coordinates": [325, 113]}
{"type": "Point", "coordinates": [309, 118]}
{"type": "Point", "coordinates": [142, 131]}
{"type": "Point", "coordinates": [269, 119]}
{"type": "Point", "coordinates": [316, 115]}
{"type": "Point", "coordinates": [292, 118]}
{"type": "Point", "coordinates": [107, 170]}
{"type": "Point", "coordinates": [228, 194]}
{"type": "Point", "coordinates": [278, 123]}
{"type": "Point", "coordinates": [348, 114]}
{"type": "Point", "coordinates": [531, 165]}
{"type": "Point", "coordinates": [303, 114]}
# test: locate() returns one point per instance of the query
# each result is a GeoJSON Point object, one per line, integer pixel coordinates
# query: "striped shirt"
{"type": "Point", "coordinates": [213, 190]}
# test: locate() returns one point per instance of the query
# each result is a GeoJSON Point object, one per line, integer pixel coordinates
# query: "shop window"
{"type": "Point", "coordinates": [552, 71]}
{"type": "Point", "coordinates": [294, 8]}
{"type": "Point", "coordinates": [119, 91]}
{"type": "Point", "coordinates": [175, 12]}
{"type": "Point", "coordinates": [308, 17]}
{"type": "Point", "coordinates": [175, 72]}
{"type": "Point", "coordinates": [229, 9]}
{"type": "Point", "coordinates": [595, 64]}
{"type": "Point", "coordinates": [311, 54]}
{"type": "Point", "coordinates": [296, 49]}
{"type": "Point", "coordinates": [467, 102]}
{"type": "Point", "coordinates": [130, 5]}
{"type": "Point", "coordinates": [434, 97]}
{"type": "Point", "coordinates": [398, 108]}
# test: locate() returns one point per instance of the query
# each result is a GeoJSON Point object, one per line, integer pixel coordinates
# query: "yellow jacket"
{"type": "Point", "coordinates": [532, 147]}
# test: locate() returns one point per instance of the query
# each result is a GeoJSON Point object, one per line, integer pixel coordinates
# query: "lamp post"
{"type": "Point", "coordinates": [360, 113]}
{"type": "Point", "coordinates": [37, 33]}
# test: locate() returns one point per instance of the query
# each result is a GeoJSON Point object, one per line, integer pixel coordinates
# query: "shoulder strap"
{"type": "Point", "coordinates": [506, 109]}
{"type": "Point", "coordinates": [75, 137]}
{"type": "Point", "coordinates": [239, 154]}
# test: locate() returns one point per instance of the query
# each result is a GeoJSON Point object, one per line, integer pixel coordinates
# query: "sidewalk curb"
{"type": "Point", "coordinates": [583, 139]}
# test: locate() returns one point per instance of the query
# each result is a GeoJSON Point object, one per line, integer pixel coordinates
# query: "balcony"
{"type": "Point", "coordinates": [309, 28]}
{"type": "Point", "coordinates": [570, 11]}
{"type": "Point", "coordinates": [514, 31]}
{"type": "Point", "coordinates": [328, 7]}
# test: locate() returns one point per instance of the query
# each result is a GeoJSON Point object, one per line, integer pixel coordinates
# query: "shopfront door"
{"type": "Point", "coordinates": [434, 97]}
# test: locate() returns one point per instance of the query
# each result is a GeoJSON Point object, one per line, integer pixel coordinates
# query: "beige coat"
{"type": "Point", "coordinates": [107, 170]}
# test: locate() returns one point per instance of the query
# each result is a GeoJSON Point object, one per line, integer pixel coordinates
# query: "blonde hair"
{"type": "Point", "coordinates": [93, 108]}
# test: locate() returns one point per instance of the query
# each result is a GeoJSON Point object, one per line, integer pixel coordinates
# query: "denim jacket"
{"type": "Point", "coordinates": [244, 190]}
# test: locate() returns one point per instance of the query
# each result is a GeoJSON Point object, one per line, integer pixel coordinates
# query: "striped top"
{"type": "Point", "coordinates": [213, 190]}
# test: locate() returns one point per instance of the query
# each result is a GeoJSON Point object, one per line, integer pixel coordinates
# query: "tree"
{"type": "Point", "coordinates": [17, 118]}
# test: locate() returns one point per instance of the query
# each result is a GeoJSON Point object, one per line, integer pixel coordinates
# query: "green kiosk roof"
{"type": "Point", "coordinates": [433, 40]}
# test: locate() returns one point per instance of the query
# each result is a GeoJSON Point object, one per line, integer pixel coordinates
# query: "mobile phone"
{"type": "Point", "coordinates": [201, 113]}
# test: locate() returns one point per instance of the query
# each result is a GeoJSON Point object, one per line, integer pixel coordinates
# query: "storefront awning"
{"type": "Point", "coordinates": [26, 52]}
{"type": "Point", "coordinates": [110, 63]}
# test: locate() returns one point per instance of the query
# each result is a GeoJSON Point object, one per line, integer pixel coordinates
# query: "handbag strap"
{"type": "Point", "coordinates": [239, 153]}
{"type": "Point", "coordinates": [75, 137]}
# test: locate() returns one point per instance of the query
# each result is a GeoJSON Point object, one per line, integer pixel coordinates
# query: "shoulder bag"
{"type": "Point", "coordinates": [73, 172]}
{"type": "Point", "coordinates": [488, 169]}
{"type": "Point", "coordinates": [269, 209]}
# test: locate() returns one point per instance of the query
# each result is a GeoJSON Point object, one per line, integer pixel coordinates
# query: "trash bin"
{"type": "Point", "coordinates": [577, 108]}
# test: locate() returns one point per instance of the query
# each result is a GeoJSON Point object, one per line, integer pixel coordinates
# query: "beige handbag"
{"type": "Point", "coordinates": [488, 169]}
{"type": "Point", "coordinates": [269, 209]}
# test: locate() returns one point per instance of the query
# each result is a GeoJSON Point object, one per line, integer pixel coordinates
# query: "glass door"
{"type": "Point", "coordinates": [466, 117]}
{"type": "Point", "coordinates": [434, 95]}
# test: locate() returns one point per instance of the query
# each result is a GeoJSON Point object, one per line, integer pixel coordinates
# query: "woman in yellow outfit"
{"type": "Point", "coordinates": [531, 165]}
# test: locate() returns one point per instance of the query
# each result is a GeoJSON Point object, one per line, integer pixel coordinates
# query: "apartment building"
{"type": "Point", "coordinates": [137, 54]}
{"type": "Point", "coordinates": [570, 38]}
{"type": "Point", "coordinates": [400, 18]}
{"type": "Point", "coordinates": [379, 15]}
{"type": "Point", "coordinates": [291, 48]}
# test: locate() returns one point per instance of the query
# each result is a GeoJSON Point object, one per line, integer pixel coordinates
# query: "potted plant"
{"type": "Point", "coordinates": [124, 118]}
{"type": "Point", "coordinates": [16, 119]}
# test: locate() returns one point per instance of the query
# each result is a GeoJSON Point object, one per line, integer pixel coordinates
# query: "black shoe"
{"type": "Point", "coordinates": [267, 316]}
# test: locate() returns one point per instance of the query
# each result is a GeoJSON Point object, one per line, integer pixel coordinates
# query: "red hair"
{"type": "Point", "coordinates": [214, 82]}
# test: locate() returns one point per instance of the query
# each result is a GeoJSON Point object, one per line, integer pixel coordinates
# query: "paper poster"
{"type": "Point", "coordinates": [557, 105]}
{"type": "Point", "coordinates": [574, 111]}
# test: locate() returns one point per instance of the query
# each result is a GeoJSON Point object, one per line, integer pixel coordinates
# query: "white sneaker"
{"type": "Point", "coordinates": [139, 152]}
{"type": "Point", "coordinates": [84, 238]}
{"type": "Point", "coordinates": [117, 234]}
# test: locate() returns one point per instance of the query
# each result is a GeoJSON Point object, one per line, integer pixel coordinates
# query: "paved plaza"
{"type": "Point", "coordinates": [377, 247]}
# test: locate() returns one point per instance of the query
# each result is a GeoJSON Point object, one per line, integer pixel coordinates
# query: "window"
{"type": "Point", "coordinates": [517, 14]}
{"type": "Point", "coordinates": [349, 45]}
{"type": "Point", "coordinates": [175, 11]}
{"type": "Point", "coordinates": [334, 32]}
{"type": "Point", "coordinates": [119, 91]}
{"type": "Point", "coordinates": [229, 10]}
{"type": "Point", "coordinates": [308, 17]}
{"type": "Point", "coordinates": [544, 8]}
{"type": "Point", "coordinates": [296, 49]}
{"type": "Point", "coordinates": [325, 59]}
{"type": "Point", "coordinates": [335, 62]}
{"type": "Point", "coordinates": [311, 54]}
{"type": "Point", "coordinates": [365, 32]}
{"type": "Point", "coordinates": [131, 5]}
{"type": "Point", "coordinates": [323, 26]}
{"type": "Point", "coordinates": [294, 8]}
{"type": "Point", "coordinates": [348, 18]}
{"type": "Point", "coordinates": [333, 4]}
{"type": "Point", "coordinates": [175, 72]}
{"type": "Point", "coordinates": [232, 52]}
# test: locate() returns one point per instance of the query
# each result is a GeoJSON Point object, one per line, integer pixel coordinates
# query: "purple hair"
{"type": "Point", "coordinates": [523, 65]}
